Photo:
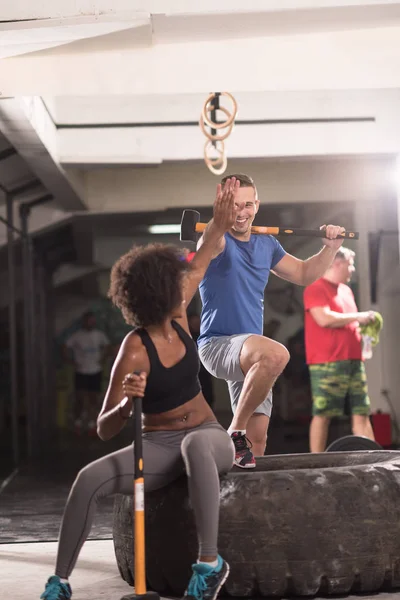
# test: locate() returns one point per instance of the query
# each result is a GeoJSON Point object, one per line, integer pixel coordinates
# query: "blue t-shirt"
{"type": "Point", "coordinates": [232, 290]}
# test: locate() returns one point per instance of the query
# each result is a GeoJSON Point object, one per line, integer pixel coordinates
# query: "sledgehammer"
{"type": "Point", "coordinates": [191, 226]}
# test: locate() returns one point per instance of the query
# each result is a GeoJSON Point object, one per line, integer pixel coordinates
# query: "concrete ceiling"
{"type": "Point", "coordinates": [147, 46]}
{"type": "Point", "coordinates": [26, 29]}
{"type": "Point", "coordinates": [96, 84]}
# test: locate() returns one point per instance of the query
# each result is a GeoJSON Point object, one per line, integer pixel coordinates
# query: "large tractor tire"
{"type": "Point", "coordinates": [299, 524]}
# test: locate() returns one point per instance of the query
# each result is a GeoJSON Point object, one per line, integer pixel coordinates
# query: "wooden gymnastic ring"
{"type": "Point", "coordinates": [216, 165]}
{"type": "Point", "coordinates": [216, 170]}
{"type": "Point", "coordinates": [228, 121]}
{"type": "Point", "coordinates": [208, 108]}
{"type": "Point", "coordinates": [216, 138]}
{"type": "Point", "coordinates": [221, 151]}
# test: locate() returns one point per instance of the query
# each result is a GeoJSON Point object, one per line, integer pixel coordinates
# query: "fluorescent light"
{"type": "Point", "coordinates": [174, 228]}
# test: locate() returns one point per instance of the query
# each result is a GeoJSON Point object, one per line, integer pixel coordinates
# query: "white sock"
{"type": "Point", "coordinates": [212, 564]}
{"type": "Point", "coordinates": [231, 430]}
{"type": "Point", "coordinates": [63, 580]}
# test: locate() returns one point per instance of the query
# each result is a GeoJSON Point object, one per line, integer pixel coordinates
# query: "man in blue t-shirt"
{"type": "Point", "coordinates": [231, 344]}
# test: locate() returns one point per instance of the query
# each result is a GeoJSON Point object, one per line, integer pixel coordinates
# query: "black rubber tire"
{"type": "Point", "coordinates": [300, 524]}
{"type": "Point", "coordinates": [349, 443]}
{"type": "Point", "coordinates": [123, 542]}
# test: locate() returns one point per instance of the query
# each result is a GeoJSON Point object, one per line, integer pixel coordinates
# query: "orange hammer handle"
{"type": "Point", "coordinates": [353, 235]}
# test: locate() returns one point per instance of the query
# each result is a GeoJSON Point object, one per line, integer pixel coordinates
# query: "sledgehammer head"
{"type": "Point", "coordinates": [188, 226]}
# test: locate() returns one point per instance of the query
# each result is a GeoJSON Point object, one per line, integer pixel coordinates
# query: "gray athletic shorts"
{"type": "Point", "coordinates": [221, 357]}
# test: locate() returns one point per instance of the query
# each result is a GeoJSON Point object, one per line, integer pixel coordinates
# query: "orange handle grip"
{"type": "Point", "coordinates": [256, 229]}
{"type": "Point", "coordinates": [140, 553]}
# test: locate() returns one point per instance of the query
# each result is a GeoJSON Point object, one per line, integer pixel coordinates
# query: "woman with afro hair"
{"type": "Point", "coordinates": [158, 362]}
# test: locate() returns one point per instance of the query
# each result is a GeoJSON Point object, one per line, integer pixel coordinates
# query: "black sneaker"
{"type": "Point", "coordinates": [56, 590]}
{"type": "Point", "coordinates": [243, 455]}
{"type": "Point", "coordinates": [206, 581]}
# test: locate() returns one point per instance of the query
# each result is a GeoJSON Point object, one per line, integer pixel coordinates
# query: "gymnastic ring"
{"type": "Point", "coordinates": [216, 165]}
{"type": "Point", "coordinates": [220, 170]}
{"type": "Point", "coordinates": [216, 138]}
{"type": "Point", "coordinates": [221, 151]}
{"type": "Point", "coordinates": [228, 121]}
{"type": "Point", "coordinates": [207, 109]}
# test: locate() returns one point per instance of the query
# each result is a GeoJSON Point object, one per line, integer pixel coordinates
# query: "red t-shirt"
{"type": "Point", "coordinates": [329, 344]}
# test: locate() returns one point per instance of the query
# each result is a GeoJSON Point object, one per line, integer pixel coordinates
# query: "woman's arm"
{"type": "Point", "coordinates": [117, 406]}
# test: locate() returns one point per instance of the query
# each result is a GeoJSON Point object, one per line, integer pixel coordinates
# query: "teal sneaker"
{"type": "Point", "coordinates": [56, 590]}
{"type": "Point", "coordinates": [206, 581]}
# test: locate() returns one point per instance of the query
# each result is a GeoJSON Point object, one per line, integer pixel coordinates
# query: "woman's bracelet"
{"type": "Point", "coordinates": [121, 415]}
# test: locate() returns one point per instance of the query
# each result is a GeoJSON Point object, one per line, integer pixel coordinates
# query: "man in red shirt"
{"type": "Point", "coordinates": [334, 351]}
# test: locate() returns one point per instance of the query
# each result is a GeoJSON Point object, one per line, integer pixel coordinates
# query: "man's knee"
{"type": "Point", "coordinates": [267, 354]}
{"type": "Point", "coordinates": [274, 362]}
{"type": "Point", "coordinates": [281, 358]}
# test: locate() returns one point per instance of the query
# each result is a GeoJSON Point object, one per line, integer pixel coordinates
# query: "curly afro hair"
{"type": "Point", "coordinates": [146, 283]}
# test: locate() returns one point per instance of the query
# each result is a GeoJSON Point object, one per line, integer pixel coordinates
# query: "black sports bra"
{"type": "Point", "coordinates": [170, 387]}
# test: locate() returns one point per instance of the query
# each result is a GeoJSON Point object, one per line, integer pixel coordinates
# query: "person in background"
{"type": "Point", "coordinates": [87, 349]}
{"type": "Point", "coordinates": [334, 351]}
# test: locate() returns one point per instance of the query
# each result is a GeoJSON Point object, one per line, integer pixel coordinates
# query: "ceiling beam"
{"type": "Point", "coordinates": [18, 123]}
{"type": "Point", "coordinates": [363, 59]}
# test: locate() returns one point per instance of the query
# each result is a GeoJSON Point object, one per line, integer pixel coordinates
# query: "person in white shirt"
{"type": "Point", "coordinates": [87, 349]}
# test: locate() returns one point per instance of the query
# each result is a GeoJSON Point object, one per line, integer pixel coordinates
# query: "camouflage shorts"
{"type": "Point", "coordinates": [339, 385]}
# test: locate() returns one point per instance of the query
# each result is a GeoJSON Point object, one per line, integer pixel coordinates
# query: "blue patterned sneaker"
{"type": "Point", "coordinates": [243, 455]}
{"type": "Point", "coordinates": [56, 590]}
{"type": "Point", "coordinates": [206, 581]}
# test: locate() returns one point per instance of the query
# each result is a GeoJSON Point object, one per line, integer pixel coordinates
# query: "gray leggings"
{"type": "Point", "coordinates": [203, 452]}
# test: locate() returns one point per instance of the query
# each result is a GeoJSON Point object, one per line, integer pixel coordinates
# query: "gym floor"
{"type": "Point", "coordinates": [24, 569]}
{"type": "Point", "coordinates": [31, 508]}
